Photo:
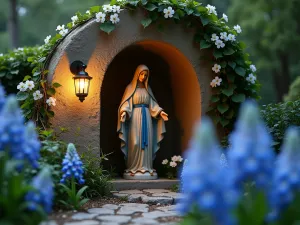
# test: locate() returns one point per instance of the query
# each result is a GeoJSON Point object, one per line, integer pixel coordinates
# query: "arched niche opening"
{"type": "Point", "coordinates": [175, 86]}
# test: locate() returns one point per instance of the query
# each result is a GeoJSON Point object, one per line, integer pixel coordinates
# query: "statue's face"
{"type": "Point", "coordinates": [143, 76]}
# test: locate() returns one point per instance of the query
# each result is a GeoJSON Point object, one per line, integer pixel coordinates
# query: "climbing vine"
{"type": "Point", "coordinates": [234, 77]}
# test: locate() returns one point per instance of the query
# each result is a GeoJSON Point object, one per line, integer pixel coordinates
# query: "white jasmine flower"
{"type": "Point", "coordinates": [174, 158]}
{"type": "Point", "coordinates": [22, 86]}
{"type": "Point", "coordinates": [63, 32]}
{"type": "Point", "coordinates": [11, 59]}
{"type": "Point", "coordinates": [225, 17]}
{"type": "Point", "coordinates": [224, 36]}
{"type": "Point", "coordinates": [173, 164]}
{"type": "Point", "coordinates": [88, 12]}
{"type": "Point", "coordinates": [47, 39]}
{"type": "Point", "coordinates": [231, 37]}
{"type": "Point", "coordinates": [238, 29]}
{"type": "Point", "coordinates": [216, 68]}
{"type": "Point", "coordinates": [100, 17]}
{"type": "Point", "coordinates": [51, 101]}
{"type": "Point", "coordinates": [218, 81]}
{"type": "Point", "coordinates": [253, 68]}
{"type": "Point", "coordinates": [211, 9]}
{"type": "Point", "coordinates": [169, 12]}
{"type": "Point", "coordinates": [20, 49]}
{"type": "Point", "coordinates": [30, 84]}
{"type": "Point", "coordinates": [60, 27]}
{"type": "Point", "coordinates": [37, 95]}
{"type": "Point", "coordinates": [220, 44]}
{"type": "Point", "coordinates": [74, 19]}
{"type": "Point", "coordinates": [114, 18]}
{"type": "Point", "coordinates": [1, 54]}
{"type": "Point", "coordinates": [214, 37]}
{"type": "Point", "coordinates": [251, 78]}
{"type": "Point", "coordinates": [165, 162]}
{"type": "Point", "coordinates": [116, 8]}
{"type": "Point", "coordinates": [213, 83]}
{"type": "Point", "coordinates": [119, 0]}
{"type": "Point", "coordinates": [107, 8]}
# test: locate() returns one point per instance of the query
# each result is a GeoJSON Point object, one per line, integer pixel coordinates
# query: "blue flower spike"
{"type": "Point", "coordinates": [72, 165]}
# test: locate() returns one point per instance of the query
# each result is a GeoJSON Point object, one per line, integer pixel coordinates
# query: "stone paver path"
{"type": "Point", "coordinates": [142, 213]}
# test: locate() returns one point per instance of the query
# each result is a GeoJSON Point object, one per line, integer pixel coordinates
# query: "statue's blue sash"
{"type": "Point", "coordinates": [144, 124]}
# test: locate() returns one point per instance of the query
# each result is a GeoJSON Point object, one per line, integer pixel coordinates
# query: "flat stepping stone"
{"type": "Point", "coordinates": [101, 211]}
{"type": "Point", "coordinates": [110, 206]}
{"type": "Point", "coordinates": [83, 216]}
{"type": "Point", "coordinates": [158, 214]}
{"type": "Point", "coordinates": [176, 196]}
{"type": "Point", "coordinates": [137, 205]}
{"type": "Point", "coordinates": [117, 195]}
{"type": "Point", "coordinates": [115, 218]}
{"type": "Point", "coordinates": [131, 210]}
{"type": "Point", "coordinates": [156, 191]}
{"type": "Point", "coordinates": [84, 222]}
{"type": "Point", "coordinates": [136, 197]}
{"type": "Point", "coordinates": [167, 208]}
{"type": "Point", "coordinates": [156, 200]}
{"type": "Point", "coordinates": [142, 220]}
{"type": "Point", "coordinates": [131, 192]}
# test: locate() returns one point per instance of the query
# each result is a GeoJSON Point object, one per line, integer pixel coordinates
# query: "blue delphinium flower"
{"type": "Point", "coordinates": [205, 183]}
{"type": "Point", "coordinates": [42, 195]}
{"type": "Point", "coordinates": [72, 165]}
{"type": "Point", "coordinates": [223, 161]}
{"type": "Point", "coordinates": [2, 97]}
{"type": "Point", "coordinates": [250, 155]}
{"type": "Point", "coordinates": [286, 180]}
{"type": "Point", "coordinates": [19, 141]}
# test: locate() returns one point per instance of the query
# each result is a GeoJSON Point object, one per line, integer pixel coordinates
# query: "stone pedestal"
{"type": "Point", "coordinates": [140, 176]}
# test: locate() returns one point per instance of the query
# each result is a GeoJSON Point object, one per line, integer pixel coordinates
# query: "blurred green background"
{"type": "Point", "coordinates": [271, 30]}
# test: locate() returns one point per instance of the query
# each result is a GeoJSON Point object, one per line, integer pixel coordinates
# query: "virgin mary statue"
{"type": "Point", "coordinates": [140, 126]}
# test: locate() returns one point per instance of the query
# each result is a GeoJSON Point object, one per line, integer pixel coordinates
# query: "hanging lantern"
{"type": "Point", "coordinates": [81, 79]}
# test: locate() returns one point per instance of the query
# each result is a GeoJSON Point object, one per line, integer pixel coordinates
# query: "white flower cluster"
{"type": "Point", "coordinates": [220, 40]}
{"type": "Point", "coordinates": [74, 20]}
{"type": "Point", "coordinates": [174, 161]}
{"type": "Point", "coordinates": [216, 82]}
{"type": "Point", "coordinates": [114, 17]}
{"type": "Point", "coordinates": [225, 17]}
{"type": "Point", "coordinates": [211, 9]}
{"type": "Point", "coordinates": [253, 68]}
{"type": "Point", "coordinates": [251, 78]}
{"type": "Point", "coordinates": [47, 39]}
{"type": "Point", "coordinates": [62, 30]}
{"type": "Point", "coordinates": [169, 12]}
{"type": "Point", "coordinates": [28, 85]}
{"type": "Point", "coordinates": [238, 29]}
{"type": "Point", "coordinates": [51, 101]}
{"type": "Point", "coordinates": [1, 54]}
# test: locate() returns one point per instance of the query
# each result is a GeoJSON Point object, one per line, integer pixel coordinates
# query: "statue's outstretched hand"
{"type": "Point", "coordinates": [164, 116]}
{"type": "Point", "coordinates": [123, 117]}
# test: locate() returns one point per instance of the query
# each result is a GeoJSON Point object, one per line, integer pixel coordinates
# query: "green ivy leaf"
{"type": "Point", "coordinates": [150, 7]}
{"type": "Point", "coordinates": [224, 122]}
{"type": "Point", "coordinates": [30, 59]}
{"type": "Point", "coordinates": [228, 92]}
{"type": "Point", "coordinates": [215, 98]}
{"type": "Point", "coordinates": [42, 59]}
{"type": "Point", "coordinates": [232, 64]}
{"type": "Point", "coordinates": [223, 64]}
{"type": "Point", "coordinates": [14, 71]}
{"type": "Point", "coordinates": [204, 20]}
{"type": "Point", "coordinates": [146, 22]}
{"type": "Point", "coordinates": [51, 91]}
{"type": "Point", "coordinates": [26, 78]}
{"type": "Point", "coordinates": [217, 54]}
{"type": "Point", "coordinates": [144, 2]}
{"type": "Point", "coordinates": [238, 98]}
{"type": "Point", "coordinates": [180, 13]}
{"type": "Point", "coordinates": [95, 9]}
{"type": "Point", "coordinates": [240, 71]}
{"type": "Point", "coordinates": [21, 96]}
{"type": "Point", "coordinates": [189, 11]}
{"type": "Point", "coordinates": [2, 73]}
{"type": "Point", "coordinates": [153, 15]}
{"type": "Point", "coordinates": [204, 44]}
{"type": "Point", "coordinates": [56, 85]}
{"type": "Point", "coordinates": [229, 114]}
{"type": "Point", "coordinates": [174, 2]}
{"type": "Point", "coordinates": [50, 114]}
{"type": "Point", "coordinates": [107, 27]}
{"type": "Point", "coordinates": [228, 51]}
{"type": "Point", "coordinates": [222, 108]}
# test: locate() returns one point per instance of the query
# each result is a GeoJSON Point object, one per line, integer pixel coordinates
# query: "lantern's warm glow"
{"type": "Point", "coordinates": [81, 86]}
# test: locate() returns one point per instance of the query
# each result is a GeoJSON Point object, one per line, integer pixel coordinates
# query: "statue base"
{"type": "Point", "coordinates": [140, 176]}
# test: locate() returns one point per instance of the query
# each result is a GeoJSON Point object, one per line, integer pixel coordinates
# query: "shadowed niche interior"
{"type": "Point", "coordinates": [175, 86]}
